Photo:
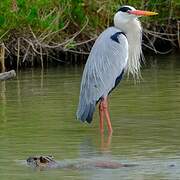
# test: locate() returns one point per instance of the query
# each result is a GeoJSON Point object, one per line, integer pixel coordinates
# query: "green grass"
{"type": "Point", "coordinates": [40, 14]}
{"type": "Point", "coordinates": [53, 14]}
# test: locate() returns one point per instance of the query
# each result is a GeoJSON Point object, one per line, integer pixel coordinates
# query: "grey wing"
{"type": "Point", "coordinates": [105, 64]}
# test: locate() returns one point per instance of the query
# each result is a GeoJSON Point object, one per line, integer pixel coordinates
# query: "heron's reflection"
{"type": "Point", "coordinates": [106, 142]}
{"type": "Point", "coordinates": [89, 149]}
{"type": "Point", "coordinates": [3, 100]}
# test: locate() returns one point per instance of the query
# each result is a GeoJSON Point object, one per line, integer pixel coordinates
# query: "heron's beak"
{"type": "Point", "coordinates": [142, 13]}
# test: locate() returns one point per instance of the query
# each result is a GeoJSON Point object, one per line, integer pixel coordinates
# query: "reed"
{"type": "Point", "coordinates": [2, 57]}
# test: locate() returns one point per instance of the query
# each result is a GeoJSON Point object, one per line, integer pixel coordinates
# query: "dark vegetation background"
{"type": "Point", "coordinates": [37, 32]}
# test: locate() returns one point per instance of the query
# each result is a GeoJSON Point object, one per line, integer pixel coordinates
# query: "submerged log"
{"type": "Point", "coordinates": [7, 75]}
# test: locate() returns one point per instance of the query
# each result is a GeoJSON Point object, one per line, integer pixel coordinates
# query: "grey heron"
{"type": "Point", "coordinates": [116, 51]}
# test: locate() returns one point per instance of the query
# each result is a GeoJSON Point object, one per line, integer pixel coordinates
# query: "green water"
{"type": "Point", "coordinates": [37, 116]}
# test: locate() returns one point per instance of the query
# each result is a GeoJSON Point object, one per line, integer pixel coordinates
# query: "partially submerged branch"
{"type": "Point", "coordinates": [7, 75]}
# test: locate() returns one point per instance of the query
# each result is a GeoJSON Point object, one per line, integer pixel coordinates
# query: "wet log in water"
{"type": "Point", "coordinates": [7, 75]}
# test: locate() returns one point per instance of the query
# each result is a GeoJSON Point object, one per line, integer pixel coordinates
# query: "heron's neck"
{"type": "Point", "coordinates": [133, 33]}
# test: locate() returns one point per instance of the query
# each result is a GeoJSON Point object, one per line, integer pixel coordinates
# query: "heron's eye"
{"type": "Point", "coordinates": [128, 12]}
{"type": "Point", "coordinates": [35, 158]}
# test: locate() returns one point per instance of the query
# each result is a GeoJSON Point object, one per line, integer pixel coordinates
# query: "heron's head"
{"type": "Point", "coordinates": [126, 14]}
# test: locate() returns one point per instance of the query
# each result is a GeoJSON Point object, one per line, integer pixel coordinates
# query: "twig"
{"type": "Point", "coordinates": [18, 52]}
{"type": "Point", "coordinates": [151, 43]}
{"type": "Point", "coordinates": [178, 32]}
{"type": "Point", "coordinates": [158, 33]}
{"type": "Point", "coordinates": [56, 59]}
{"type": "Point", "coordinates": [165, 52]}
{"type": "Point", "coordinates": [32, 45]}
{"type": "Point", "coordinates": [77, 52]}
{"type": "Point", "coordinates": [42, 64]}
{"type": "Point", "coordinates": [67, 41]}
{"type": "Point", "coordinates": [27, 51]}
{"type": "Point", "coordinates": [158, 36]}
{"type": "Point", "coordinates": [4, 34]}
{"type": "Point", "coordinates": [52, 33]}
{"type": "Point", "coordinates": [85, 42]}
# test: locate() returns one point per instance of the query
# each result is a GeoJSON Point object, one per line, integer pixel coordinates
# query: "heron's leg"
{"type": "Point", "coordinates": [101, 115]}
{"type": "Point", "coordinates": [106, 112]}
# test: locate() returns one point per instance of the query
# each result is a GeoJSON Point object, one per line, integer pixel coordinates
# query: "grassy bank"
{"type": "Point", "coordinates": [34, 30]}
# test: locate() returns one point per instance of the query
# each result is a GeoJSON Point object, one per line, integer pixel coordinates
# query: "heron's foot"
{"type": "Point", "coordinates": [110, 131]}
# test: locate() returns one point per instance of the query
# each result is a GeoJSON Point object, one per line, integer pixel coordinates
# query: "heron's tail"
{"type": "Point", "coordinates": [85, 112]}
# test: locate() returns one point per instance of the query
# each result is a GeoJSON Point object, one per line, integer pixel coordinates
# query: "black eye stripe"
{"type": "Point", "coordinates": [124, 9]}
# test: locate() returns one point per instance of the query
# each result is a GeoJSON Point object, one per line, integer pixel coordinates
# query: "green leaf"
{"type": "Point", "coordinates": [2, 21]}
{"type": "Point", "coordinates": [33, 15]}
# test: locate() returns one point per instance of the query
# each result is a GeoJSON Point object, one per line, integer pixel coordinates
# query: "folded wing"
{"type": "Point", "coordinates": [103, 70]}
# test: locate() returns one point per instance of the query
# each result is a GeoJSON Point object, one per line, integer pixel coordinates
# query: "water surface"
{"type": "Point", "coordinates": [37, 116]}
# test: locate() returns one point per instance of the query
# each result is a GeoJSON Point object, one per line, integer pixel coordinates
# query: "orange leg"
{"type": "Point", "coordinates": [103, 109]}
{"type": "Point", "coordinates": [101, 116]}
